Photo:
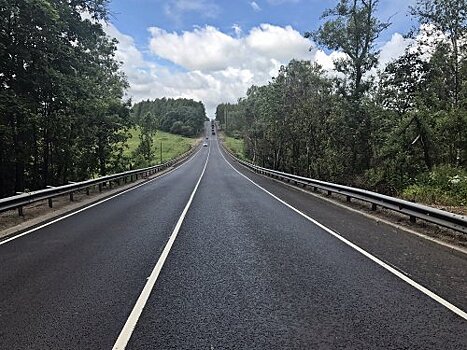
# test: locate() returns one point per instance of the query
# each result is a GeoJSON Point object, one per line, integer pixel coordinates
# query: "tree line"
{"type": "Point", "coordinates": [178, 116]}
{"type": "Point", "coordinates": [377, 128]}
{"type": "Point", "coordinates": [62, 112]}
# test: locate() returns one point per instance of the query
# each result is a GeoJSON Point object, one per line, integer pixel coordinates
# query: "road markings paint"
{"type": "Point", "coordinates": [132, 320]}
{"type": "Point", "coordinates": [377, 219]}
{"type": "Point", "coordinates": [96, 203]}
{"type": "Point", "coordinates": [381, 263]}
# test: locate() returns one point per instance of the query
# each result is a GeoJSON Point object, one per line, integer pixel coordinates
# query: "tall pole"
{"type": "Point", "coordinates": [161, 151]}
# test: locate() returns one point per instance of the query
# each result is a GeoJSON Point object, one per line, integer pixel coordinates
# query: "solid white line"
{"type": "Point", "coordinates": [96, 203]}
{"type": "Point", "coordinates": [132, 320]}
{"type": "Point", "coordinates": [381, 263]}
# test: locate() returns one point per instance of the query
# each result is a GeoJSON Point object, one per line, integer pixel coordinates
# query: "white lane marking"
{"type": "Point", "coordinates": [377, 219]}
{"type": "Point", "coordinates": [132, 320]}
{"type": "Point", "coordinates": [381, 263]}
{"type": "Point", "coordinates": [96, 203]}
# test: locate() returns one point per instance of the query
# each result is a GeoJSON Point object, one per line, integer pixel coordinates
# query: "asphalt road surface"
{"type": "Point", "coordinates": [203, 258]}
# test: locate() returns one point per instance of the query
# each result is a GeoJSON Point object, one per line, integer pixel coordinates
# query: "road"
{"type": "Point", "coordinates": [204, 258]}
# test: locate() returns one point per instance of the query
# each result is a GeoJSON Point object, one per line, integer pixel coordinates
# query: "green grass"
{"type": "Point", "coordinates": [444, 185]}
{"type": "Point", "coordinates": [172, 145]}
{"type": "Point", "coordinates": [237, 146]}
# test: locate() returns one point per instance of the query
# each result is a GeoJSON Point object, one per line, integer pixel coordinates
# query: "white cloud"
{"type": "Point", "coordinates": [254, 5]}
{"type": "Point", "coordinates": [218, 67]}
{"type": "Point", "coordinates": [208, 49]}
{"type": "Point", "coordinates": [237, 29]}
{"type": "Point", "coordinates": [221, 67]}
{"type": "Point", "coordinates": [203, 48]}
{"type": "Point", "coordinates": [393, 49]}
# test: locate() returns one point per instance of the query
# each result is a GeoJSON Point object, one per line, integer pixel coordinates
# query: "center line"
{"type": "Point", "coordinates": [130, 323]}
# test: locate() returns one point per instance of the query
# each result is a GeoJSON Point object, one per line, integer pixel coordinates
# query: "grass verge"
{"type": "Point", "coordinates": [172, 145]}
{"type": "Point", "coordinates": [237, 146]}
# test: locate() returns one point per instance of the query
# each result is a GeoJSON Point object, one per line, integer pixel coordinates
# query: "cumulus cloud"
{"type": "Point", "coordinates": [224, 65]}
{"type": "Point", "coordinates": [208, 49]}
{"type": "Point", "coordinates": [218, 67]}
{"type": "Point", "coordinates": [393, 49]}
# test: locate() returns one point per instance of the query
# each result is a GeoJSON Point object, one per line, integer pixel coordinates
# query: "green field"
{"type": "Point", "coordinates": [172, 145]}
{"type": "Point", "coordinates": [237, 146]}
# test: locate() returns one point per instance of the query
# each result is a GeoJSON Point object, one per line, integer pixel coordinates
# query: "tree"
{"type": "Point", "coordinates": [352, 28]}
{"type": "Point", "coordinates": [62, 114]}
{"type": "Point", "coordinates": [448, 18]}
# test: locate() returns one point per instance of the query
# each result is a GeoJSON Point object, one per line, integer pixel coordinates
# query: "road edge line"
{"type": "Point", "coordinates": [130, 324]}
{"type": "Point", "coordinates": [370, 256]}
{"type": "Point", "coordinates": [457, 248]}
{"type": "Point", "coordinates": [16, 236]}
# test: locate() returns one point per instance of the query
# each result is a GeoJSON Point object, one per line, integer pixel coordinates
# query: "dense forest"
{"type": "Point", "coordinates": [396, 129]}
{"type": "Point", "coordinates": [62, 113]}
{"type": "Point", "coordinates": [178, 116]}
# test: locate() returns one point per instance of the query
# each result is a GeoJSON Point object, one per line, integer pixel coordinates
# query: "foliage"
{"type": "Point", "coordinates": [383, 133]}
{"type": "Point", "coordinates": [179, 116]}
{"type": "Point", "coordinates": [172, 147]}
{"type": "Point", "coordinates": [444, 185]}
{"type": "Point", "coordinates": [62, 116]}
{"type": "Point", "coordinates": [352, 28]}
{"type": "Point", "coordinates": [236, 146]}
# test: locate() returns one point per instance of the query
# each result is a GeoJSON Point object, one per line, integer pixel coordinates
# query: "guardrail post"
{"type": "Point", "coordinates": [87, 191]}
{"type": "Point", "coordinates": [71, 197]}
{"type": "Point", "coordinates": [100, 187]}
{"type": "Point", "coordinates": [50, 203]}
{"type": "Point", "coordinates": [348, 198]}
{"type": "Point", "coordinates": [20, 211]}
{"type": "Point", "coordinates": [329, 193]}
{"type": "Point", "coordinates": [373, 206]}
{"type": "Point", "coordinates": [110, 184]}
{"type": "Point", "coordinates": [413, 219]}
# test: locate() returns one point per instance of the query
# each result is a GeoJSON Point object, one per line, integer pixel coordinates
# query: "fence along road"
{"type": "Point", "coordinates": [245, 271]}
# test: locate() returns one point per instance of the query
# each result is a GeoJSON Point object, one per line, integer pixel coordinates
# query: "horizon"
{"type": "Point", "coordinates": [213, 51]}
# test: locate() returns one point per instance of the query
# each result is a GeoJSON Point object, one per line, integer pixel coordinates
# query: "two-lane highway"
{"type": "Point", "coordinates": [236, 269]}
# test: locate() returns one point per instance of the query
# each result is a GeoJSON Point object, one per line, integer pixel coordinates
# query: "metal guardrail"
{"type": "Point", "coordinates": [23, 199]}
{"type": "Point", "coordinates": [413, 210]}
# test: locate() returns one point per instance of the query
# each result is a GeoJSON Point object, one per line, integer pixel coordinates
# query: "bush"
{"type": "Point", "coordinates": [444, 185]}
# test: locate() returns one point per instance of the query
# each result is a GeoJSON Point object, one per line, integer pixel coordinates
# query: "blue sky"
{"type": "Point", "coordinates": [189, 39]}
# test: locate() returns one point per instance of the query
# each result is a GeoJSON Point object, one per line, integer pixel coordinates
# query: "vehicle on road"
{"type": "Point", "coordinates": [205, 144]}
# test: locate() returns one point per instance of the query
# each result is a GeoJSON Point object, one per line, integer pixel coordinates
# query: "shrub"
{"type": "Point", "coordinates": [444, 185]}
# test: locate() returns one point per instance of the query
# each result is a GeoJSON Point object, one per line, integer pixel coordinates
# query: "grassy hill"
{"type": "Point", "coordinates": [172, 145]}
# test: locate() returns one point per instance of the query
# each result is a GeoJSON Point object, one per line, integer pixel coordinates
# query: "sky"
{"type": "Point", "coordinates": [213, 51]}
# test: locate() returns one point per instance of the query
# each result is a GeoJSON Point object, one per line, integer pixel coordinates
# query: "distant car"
{"type": "Point", "coordinates": [207, 138]}
{"type": "Point", "coordinates": [205, 144]}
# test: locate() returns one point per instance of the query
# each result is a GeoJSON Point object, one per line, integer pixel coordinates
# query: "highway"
{"type": "Point", "coordinates": [211, 256]}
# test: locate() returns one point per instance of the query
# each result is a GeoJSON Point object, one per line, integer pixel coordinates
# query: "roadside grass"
{"type": "Point", "coordinates": [172, 145]}
{"type": "Point", "coordinates": [237, 146]}
{"type": "Point", "coordinates": [444, 185]}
